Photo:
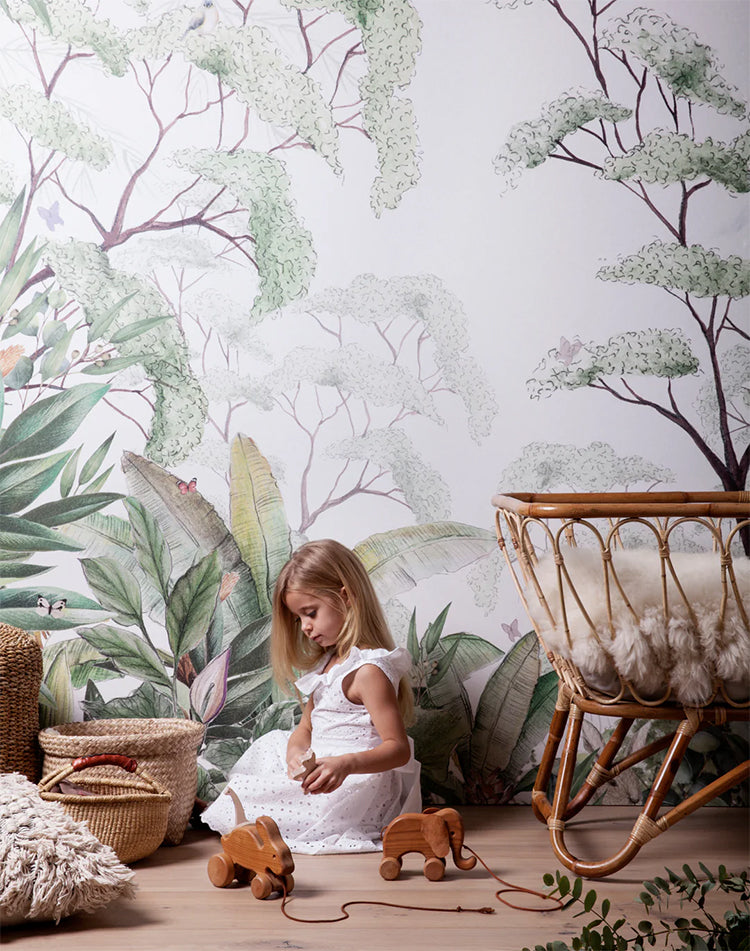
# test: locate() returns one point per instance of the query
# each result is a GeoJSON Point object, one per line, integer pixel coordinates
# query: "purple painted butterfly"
{"type": "Point", "coordinates": [567, 350]}
{"type": "Point", "coordinates": [512, 629]}
{"type": "Point", "coordinates": [51, 215]}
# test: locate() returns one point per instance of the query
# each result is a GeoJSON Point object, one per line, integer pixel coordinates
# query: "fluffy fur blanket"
{"type": "Point", "coordinates": [652, 651]}
{"type": "Point", "coordinates": [51, 865]}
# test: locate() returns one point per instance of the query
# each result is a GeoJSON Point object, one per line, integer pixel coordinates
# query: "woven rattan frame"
{"type": "Point", "coordinates": [166, 747]}
{"type": "Point", "coordinates": [20, 679]}
{"type": "Point", "coordinates": [523, 518]}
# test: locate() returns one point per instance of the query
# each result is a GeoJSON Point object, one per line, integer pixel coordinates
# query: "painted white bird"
{"type": "Point", "coordinates": [205, 19]}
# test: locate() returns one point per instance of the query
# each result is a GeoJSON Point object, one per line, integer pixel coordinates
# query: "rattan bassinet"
{"type": "Point", "coordinates": [641, 603]}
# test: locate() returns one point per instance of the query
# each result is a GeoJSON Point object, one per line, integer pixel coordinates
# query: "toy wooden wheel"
{"type": "Point", "coordinates": [221, 870]}
{"type": "Point", "coordinates": [434, 869]}
{"type": "Point", "coordinates": [390, 868]}
{"type": "Point", "coordinates": [289, 883]}
{"type": "Point", "coordinates": [261, 885]}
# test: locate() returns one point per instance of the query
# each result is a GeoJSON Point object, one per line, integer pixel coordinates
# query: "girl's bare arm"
{"type": "Point", "coordinates": [372, 688]}
{"type": "Point", "coordinates": [298, 746]}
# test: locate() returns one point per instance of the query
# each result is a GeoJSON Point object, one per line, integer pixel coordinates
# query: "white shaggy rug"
{"type": "Point", "coordinates": [652, 651]}
{"type": "Point", "coordinates": [50, 865]}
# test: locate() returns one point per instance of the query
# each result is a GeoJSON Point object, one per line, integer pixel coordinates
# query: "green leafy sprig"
{"type": "Point", "coordinates": [703, 931]}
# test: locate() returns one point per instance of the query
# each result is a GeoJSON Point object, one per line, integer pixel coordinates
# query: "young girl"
{"type": "Point", "coordinates": [327, 621]}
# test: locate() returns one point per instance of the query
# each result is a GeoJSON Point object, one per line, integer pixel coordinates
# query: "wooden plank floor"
{"type": "Point", "coordinates": [177, 908]}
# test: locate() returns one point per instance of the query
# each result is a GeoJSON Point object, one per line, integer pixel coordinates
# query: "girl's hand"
{"type": "Point", "coordinates": [296, 763]}
{"type": "Point", "coordinates": [329, 774]}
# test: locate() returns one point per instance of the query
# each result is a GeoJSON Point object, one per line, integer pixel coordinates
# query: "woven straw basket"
{"type": "Point", "coordinates": [20, 677]}
{"type": "Point", "coordinates": [166, 748]}
{"type": "Point", "coordinates": [129, 815]}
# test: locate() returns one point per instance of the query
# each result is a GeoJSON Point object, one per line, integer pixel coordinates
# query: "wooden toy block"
{"type": "Point", "coordinates": [308, 765]}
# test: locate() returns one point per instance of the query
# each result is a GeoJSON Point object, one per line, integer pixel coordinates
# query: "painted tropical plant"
{"type": "Point", "coordinates": [639, 128]}
{"type": "Point", "coordinates": [34, 462]}
{"type": "Point", "coordinates": [190, 602]}
{"type": "Point", "coordinates": [477, 755]}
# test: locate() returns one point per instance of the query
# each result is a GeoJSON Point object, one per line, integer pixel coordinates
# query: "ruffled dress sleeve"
{"type": "Point", "coordinates": [394, 664]}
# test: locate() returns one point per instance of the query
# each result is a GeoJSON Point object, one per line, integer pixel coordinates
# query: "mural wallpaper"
{"type": "Point", "coordinates": [287, 269]}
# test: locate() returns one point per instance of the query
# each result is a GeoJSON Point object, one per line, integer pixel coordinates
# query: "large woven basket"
{"type": "Point", "coordinates": [129, 815]}
{"type": "Point", "coordinates": [167, 748]}
{"type": "Point", "coordinates": [20, 678]}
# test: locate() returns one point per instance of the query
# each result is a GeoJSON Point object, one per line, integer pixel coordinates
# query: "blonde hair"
{"type": "Point", "coordinates": [328, 570]}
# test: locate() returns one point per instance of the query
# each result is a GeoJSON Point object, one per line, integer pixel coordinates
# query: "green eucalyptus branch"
{"type": "Point", "coordinates": [703, 931]}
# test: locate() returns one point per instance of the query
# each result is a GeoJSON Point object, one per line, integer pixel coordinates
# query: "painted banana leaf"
{"type": "Point", "coordinates": [250, 647]}
{"type": "Point", "coordinates": [466, 654]}
{"type": "Point", "coordinates": [503, 707]}
{"type": "Point", "coordinates": [443, 711]}
{"type": "Point", "coordinates": [191, 526]}
{"type": "Point", "coordinates": [397, 559]}
{"type": "Point", "coordinates": [436, 734]}
{"type": "Point", "coordinates": [258, 517]}
{"type": "Point", "coordinates": [56, 681]}
{"type": "Point", "coordinates": [536, 724]}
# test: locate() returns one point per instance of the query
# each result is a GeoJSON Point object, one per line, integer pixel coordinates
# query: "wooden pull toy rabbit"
{"type": "Point", "coordinates": [434, 833]}
{"type": "Point", "coordinates": [254, 852]}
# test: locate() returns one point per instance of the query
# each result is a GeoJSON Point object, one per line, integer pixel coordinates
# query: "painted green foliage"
{"type": "Point", "coordinates": [33, 461]}
{"type": "Point", "coordinates": [189, 602]}
{"type": "Point", "coordinates": [476, 756]}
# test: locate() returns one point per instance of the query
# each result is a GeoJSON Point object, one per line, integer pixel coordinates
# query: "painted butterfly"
{"type": "Point", "coordinates": [51, 215]}
{"type": "Point", "coordinates": [512, 629]}
{"type": "Point", "coordinates": [43, 606]}
{"type": "Point", "coordinates": [568, 350]}
{"type": "Point", "coordinates": [186, 487]}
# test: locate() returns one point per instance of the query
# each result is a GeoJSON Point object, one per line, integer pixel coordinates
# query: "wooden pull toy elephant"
{"type": "Point", "coordinates": [434, 833]}
{"type": "Point", "coordinates": [254, 852]}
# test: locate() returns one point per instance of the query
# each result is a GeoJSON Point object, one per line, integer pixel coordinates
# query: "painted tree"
{"type": "Point", "coordinates": [652, 149]}
{"type": "Point", "coordinates": [377, 353]}
{"type": "Point", "coordinates": [247, 94]}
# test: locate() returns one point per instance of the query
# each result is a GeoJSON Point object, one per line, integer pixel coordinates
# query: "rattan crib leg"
{"type": "Point", "coordinates": [645, 827]}
{"type": "Point", "coordinates": [721, 784]}
{"type": "Point", "coordinates": [600, 772]}
{"type": "Point", "coordinates": [539, 801]}
{"type": "Point", "coordinates": [567, 768]}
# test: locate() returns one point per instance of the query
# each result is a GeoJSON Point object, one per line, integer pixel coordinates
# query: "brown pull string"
{"type": "Point", "coordinates": [486, 910]}
{"type": "Point", "coordinates": [510, 887]}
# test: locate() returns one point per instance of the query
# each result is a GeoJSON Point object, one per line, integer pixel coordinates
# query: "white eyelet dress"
{"type": "Point", "coordinates": [352, 817]}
